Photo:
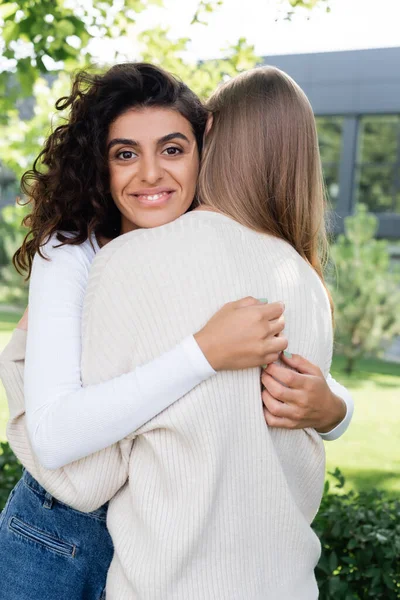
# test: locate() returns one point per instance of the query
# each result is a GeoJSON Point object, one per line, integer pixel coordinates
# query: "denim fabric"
{"type": "Point", "coordinates": [49, 551]}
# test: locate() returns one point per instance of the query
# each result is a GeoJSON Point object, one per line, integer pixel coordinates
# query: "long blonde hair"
{"type": "Point", "coordinates": [261, 163]}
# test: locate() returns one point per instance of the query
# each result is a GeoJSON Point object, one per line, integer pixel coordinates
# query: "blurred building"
{"type": "Point", "coordinates": [8, 187]}
{"type": "Point", "coordinates": [355, 95]}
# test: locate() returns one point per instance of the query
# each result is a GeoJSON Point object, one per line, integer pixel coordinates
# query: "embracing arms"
{"type": "Point", "coordinates": [66, 421]}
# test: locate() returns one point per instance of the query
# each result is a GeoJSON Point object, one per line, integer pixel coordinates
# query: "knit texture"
{"type": "Point", "coordinates": [217, 506]}
{"type": "Point", "coordinates": [81, 484]}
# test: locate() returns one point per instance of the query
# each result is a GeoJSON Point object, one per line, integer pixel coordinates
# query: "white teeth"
{"type": "Point", "coordinates": [154, 197]}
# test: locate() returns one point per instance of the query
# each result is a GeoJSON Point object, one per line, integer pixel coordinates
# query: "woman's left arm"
{"type": "Point", "coordinates": [301, 397]}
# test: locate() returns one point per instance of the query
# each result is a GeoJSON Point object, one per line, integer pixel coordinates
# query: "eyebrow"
{"type": "Point", "coordinates": [166, 138]}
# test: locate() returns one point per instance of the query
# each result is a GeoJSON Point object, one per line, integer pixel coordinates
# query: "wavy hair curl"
{"type": "Point", "coordinates": [68, 185]}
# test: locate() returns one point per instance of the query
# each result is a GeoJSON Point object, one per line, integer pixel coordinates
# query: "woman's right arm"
{"type": "Point", "coordinates": [67, 421]}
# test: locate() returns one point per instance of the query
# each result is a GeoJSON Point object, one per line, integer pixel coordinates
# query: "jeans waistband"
{"type": "Point", "coordinates": [100, 513]}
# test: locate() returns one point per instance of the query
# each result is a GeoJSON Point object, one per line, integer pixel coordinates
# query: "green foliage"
{"type": "Point", "coordinates": [308, 4]}
{"type": "Point", "coordinates": [204, 8]}
{"type": "Point", "coordinates": [203, 78]}
{"type": "Point", "coordinates": [366, 292]}
{"type": "Point", "coordinates": [22, 140]}
{"type": "Point", "coordinates": [10, 472]}
{"type": "Point", "coordinates": [293, 5]}
{"type": "Point", "coordinates": [13, 289]}
{"type": "Point", "coordinates": [360, 536]}
{"type": "Point", "coordinates": [40, 36]}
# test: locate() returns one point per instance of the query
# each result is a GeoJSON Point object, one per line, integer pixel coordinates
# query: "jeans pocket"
{"type": "Point", "coordinates": [41, 537]}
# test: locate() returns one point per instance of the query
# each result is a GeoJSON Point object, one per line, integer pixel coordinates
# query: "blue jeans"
{"type": "Point", "coordinates": [49, 551]}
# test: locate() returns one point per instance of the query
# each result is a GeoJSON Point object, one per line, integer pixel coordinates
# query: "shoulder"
{"type": "Point", "coordinates": [143, 246]}
{"type": "Point", "coordinates": [69, 262]}
{"type": "Point", "coordinates": [53, 252]}
{"type": "Point", "coordinates": [134, 242]}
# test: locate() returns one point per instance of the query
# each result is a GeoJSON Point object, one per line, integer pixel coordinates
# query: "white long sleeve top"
{"type": "Point", "coordinates": [67, 421]}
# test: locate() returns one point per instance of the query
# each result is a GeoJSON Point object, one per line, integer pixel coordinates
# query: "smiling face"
{"type": "Point", "coordinates": [153, 164]}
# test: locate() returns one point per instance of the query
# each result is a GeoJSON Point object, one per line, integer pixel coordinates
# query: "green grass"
{"type": "Point", "coordinates": [368, 454]}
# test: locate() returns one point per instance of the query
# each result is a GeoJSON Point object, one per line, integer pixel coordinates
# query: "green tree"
{"type": "Point", "coordinates": [43, 36]}
{"type": "Point", "coordinates": [366, 291]}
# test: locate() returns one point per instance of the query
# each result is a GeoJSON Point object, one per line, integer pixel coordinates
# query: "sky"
{"type": "Point", "coordinates": [350, 24]}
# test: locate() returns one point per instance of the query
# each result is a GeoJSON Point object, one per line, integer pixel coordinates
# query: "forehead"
{"type": "Point", "coordinates": [149, 123]}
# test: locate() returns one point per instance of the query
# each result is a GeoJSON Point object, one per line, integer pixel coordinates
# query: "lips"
{"type": "Point", "coordinates": [153, 197]}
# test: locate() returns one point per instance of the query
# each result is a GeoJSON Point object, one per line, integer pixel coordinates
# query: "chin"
{"type": "Point", "coordinates": [156, 219]}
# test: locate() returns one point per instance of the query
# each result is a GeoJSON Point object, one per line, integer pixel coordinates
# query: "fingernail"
{"type": "Point", "coordinates": [287, 354]}
{"type": "Point", "coordinates": [264, 366]}
{"type": "Point", "coordinates": [263, 300]}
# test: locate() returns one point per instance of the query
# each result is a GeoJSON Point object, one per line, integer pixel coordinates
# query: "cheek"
{"type": "Point", "coordinates": [190, 178]}
{"type": "Point", "coordinates": [113, 179]}
{"type": "Point", "coordinates": [117, 183]}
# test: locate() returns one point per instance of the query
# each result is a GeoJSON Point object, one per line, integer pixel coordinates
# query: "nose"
{"type": "Point", "coordinates": [151, 170]}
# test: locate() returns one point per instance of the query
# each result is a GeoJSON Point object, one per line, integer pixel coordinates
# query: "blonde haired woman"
{"type": "Point", "coordinates": [217, 505]}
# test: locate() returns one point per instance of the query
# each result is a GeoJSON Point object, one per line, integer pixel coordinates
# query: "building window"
{"type": "Point", "coordinates": [330, 145]}
{"type": "Point", "coordinates": [378, 163]}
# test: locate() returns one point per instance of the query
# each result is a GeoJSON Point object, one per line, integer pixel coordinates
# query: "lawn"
{"type": "Point", "coordinates": [369, 453]}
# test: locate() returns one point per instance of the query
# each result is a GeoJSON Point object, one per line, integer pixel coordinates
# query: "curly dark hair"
{"type": "Point", "coordinates": [68, 185]}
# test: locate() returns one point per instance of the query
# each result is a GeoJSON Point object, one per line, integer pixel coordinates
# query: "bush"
{"type": "Point", "coordinates": [10, 472]}
{"type": "Point", "coordinates": [366, 291]}
{"type": "Point", "coordinates": [360, 536]}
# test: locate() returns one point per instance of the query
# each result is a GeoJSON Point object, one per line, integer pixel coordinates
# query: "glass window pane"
{"type": "Point", "coordinates": [330, 138]}
{"type": "Point", "coordinates": [379, 139]}
{"type": "Point", "coordinates": [397, 202]}
{"type": "Point", "coordinates": [375, 187]}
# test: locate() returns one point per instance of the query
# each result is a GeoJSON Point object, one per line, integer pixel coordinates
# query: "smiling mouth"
{"type": "Point", "coordinates": [154, 199]}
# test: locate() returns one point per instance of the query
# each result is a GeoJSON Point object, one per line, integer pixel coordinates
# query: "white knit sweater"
{"type": "Point", "coordinates": [217, 505]}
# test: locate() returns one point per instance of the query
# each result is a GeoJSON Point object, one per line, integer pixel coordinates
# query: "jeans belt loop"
{"type": "Point", "coordinates": [48, 501]}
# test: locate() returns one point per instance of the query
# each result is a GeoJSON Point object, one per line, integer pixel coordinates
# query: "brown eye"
{"type": "Point", "coordinates": [172, 151]}
{"type": "Point", "coordinates": [126, 155]}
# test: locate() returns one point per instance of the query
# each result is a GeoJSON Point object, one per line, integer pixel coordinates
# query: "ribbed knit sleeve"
{"type": "Point", "coordinates": [86, 484]}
